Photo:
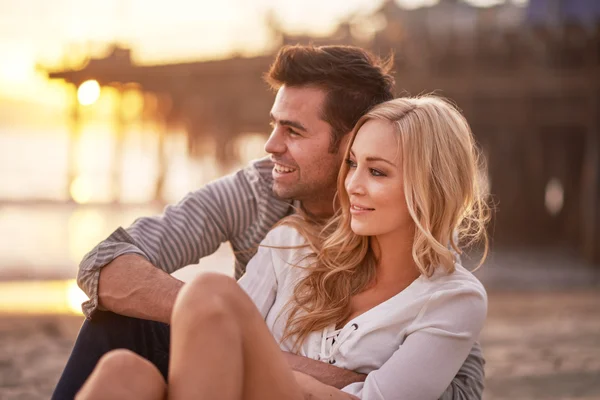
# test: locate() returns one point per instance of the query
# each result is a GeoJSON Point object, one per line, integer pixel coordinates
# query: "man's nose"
{"type": "Point", "coordinates": [275, 143]}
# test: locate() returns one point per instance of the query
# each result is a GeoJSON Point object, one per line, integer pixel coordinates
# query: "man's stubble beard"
{"type": "Point", "coordinates": [311, 191]}
{"type": "Point", "coordinates": [306, 192]}
{"type": "Point", "coordinates": [288, 193]}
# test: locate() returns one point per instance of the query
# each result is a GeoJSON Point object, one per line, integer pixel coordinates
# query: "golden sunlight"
{"type": "Point", "coordinates": [41, 297]}
{"type": "Point", "coordinates": [75, 297]}
{"type": "Point", "coordinates": [88, 92]}
{"type": "Point", "coordinates": [81, 190]}
{"type": "Point", "coordinates": [86, 227]}
{"type": "Point", "coordinates": [132, 104]}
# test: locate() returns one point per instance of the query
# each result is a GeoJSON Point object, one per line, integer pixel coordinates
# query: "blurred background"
{"type": "Point", "coordinates": [111, 110]}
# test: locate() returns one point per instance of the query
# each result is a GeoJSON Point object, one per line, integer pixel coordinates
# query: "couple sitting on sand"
{"type": "Point", "coordinates": [354, 288]}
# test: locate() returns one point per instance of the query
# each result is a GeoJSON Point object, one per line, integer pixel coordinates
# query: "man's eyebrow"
{"type": "Point", "coordinates": [370, 158]}
{"type": "Point", "coordinates": [286, 122]}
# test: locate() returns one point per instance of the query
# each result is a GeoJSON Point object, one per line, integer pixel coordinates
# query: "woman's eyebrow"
{"type": "Point", "coordinates": [380, 159]}
{"type": "Point", "coordinates": [371, 158]}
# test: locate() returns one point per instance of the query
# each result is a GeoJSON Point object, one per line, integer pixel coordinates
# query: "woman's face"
{"type": "Point", "coordinates": [374, 182]}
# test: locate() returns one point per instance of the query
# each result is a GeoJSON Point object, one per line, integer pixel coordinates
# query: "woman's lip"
{"type": "Point", "coordinates": [361, 206]}
{"type": "Point", "coordinates": [361, 211]}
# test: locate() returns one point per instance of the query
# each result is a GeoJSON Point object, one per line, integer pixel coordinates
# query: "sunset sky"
{"type": "Point", "coordinates": [50, 32]}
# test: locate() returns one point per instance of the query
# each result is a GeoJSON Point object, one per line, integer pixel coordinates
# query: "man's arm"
{"type": "Point", "coordinates": [325, 373]}
{"type": "Point", "coordinates": [239, 208]}
{"type": "Point", "coordinates": [130, 285]}
{"type": "Point", "coordinates": [469, 382]}
{"type": "Point", "coordinates": [466, 385]}
{"type": "Point", "coordinates": [315, 390]}
{"type": "Point", "coordinates": [184, 233]}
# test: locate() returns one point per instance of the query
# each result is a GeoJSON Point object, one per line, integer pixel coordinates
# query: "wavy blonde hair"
{"type": "Point", "coordinates": [443, 173]}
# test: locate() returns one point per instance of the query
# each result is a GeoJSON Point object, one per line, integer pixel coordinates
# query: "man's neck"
{"type": "Point", "coordinates": [318, 209]}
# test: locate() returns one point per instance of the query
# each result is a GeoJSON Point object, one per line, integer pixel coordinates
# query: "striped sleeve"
{"type": "Point", "coordinates": [469, 382]}
{"type": "Point", "coordinates": [237, 206]}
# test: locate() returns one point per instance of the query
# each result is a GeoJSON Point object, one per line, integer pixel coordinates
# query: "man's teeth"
{"type": "Point", "coordinates": [281, 168]}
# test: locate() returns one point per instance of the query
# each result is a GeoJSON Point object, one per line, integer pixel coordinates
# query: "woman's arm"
{"type": "Point", "coordinates": [436, 345]}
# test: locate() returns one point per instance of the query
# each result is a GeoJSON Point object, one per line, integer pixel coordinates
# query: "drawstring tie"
{"type": "Point", "coordinates": [338, 336]}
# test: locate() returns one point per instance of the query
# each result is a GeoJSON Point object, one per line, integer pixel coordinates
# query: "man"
{"type": "Point", "coordinates": [321, 94]}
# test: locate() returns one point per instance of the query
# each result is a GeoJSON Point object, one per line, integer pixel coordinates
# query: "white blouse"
{"type": "Point", "coordinates": [411, 345]}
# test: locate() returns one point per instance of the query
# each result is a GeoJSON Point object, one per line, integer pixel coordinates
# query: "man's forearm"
{"type": "Point", "coordinates": [130, 285]}
{"type": "Point", "coordinates": [325, 373]}
{"type": "Point", "coordinates": [313, 389]}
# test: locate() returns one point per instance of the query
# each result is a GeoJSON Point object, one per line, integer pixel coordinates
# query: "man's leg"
{"type": "Point", "coordinates": [108, 331]}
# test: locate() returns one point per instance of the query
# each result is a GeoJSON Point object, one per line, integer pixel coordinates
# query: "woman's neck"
{"type": "Point", "coordinates": [394, 252]}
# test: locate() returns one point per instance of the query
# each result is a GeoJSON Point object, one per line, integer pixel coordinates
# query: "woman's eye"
{"type": "Point", "coordinates": [375, 172]}
{"type": "Point", "coordinates": [350, 163]}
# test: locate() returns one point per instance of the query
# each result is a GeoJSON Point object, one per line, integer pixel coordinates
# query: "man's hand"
{"type": "Point", "coordinates": [137, 289]}
{"type": "Point", "coordinates": [325, 373]}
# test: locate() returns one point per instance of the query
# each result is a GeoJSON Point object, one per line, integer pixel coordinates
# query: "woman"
{"type": "Point", "coordinates": [378, 290]}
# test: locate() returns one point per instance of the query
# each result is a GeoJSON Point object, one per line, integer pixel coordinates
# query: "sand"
{"type": "Point", "coordinates": [33, 351]}
{"type": "Point", "coordinates": [538, 345]}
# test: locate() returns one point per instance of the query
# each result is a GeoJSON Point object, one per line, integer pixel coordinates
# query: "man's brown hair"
{"type": "Point", "coordinates": [354, 79]}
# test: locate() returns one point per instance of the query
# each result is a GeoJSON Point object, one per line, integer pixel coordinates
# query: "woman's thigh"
{"type": "Point", "coordinates": [266, 373]}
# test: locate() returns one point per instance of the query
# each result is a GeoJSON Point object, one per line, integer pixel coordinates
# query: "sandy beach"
{"type": "Point", "coordinates": [33, 351]}
{"type": "Point", "coordinates": [540, 345]}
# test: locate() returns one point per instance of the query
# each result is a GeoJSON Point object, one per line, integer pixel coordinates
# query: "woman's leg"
{"type": "Point", "coordinates": [109, 331]}
{"type": "Point", "coordinates": [122, 374]}
{"type": "Point", "coordinates": [221, 347]}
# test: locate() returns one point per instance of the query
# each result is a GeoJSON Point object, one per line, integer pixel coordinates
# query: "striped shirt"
{"type": "Point", "coordinates": [240, 208]}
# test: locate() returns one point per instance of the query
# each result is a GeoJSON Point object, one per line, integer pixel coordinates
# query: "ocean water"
{"type": "Point", "coordinates": [44, 235]}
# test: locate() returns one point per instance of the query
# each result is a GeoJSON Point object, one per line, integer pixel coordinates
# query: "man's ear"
{"type": "Point", "coordinates": [344, 141]}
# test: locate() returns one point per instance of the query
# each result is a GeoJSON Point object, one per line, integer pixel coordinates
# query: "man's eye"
{"type": "Point", "coordinates": [293, 132]}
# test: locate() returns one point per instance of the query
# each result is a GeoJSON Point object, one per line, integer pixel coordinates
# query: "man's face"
{"type": "Point", "coordinates": [299, 146]}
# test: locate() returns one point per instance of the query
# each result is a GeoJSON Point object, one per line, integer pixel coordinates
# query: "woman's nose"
{"type": "Point", "coordinates": [354, 184]}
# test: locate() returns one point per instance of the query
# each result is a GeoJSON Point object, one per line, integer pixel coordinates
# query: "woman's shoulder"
{"type": "Point", "coordinates": [458, 299]}
{"type": "Point", "coordinates": [457, 289]}
{"type": "Point", "coordinates": [284, 235]}
{"type": "Point", "coordinates": [287, 246]}
{"type": "Point", "coordinates": [460, 278]}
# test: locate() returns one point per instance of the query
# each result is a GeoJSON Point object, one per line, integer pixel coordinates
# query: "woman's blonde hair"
{"type": "Point", "coordinates": [443, 182]}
